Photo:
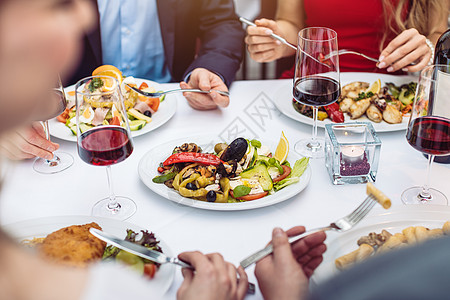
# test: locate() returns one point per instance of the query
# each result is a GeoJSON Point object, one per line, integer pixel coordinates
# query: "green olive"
{"type": "Point", "coordinates": [220, 147]}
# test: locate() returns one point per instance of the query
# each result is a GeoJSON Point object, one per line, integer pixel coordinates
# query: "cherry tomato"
{"type": "Point", "coordinates": [149, 270]}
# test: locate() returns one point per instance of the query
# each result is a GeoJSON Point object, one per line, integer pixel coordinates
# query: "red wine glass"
{"type": "Point", "coordinates": [61, 160]}
{"type": "Point", "coordinates": [316, 81]}
{"type": "Point", "coordinates": [429, 128]}
{"type": "Point", "coordinates": [103, 136]}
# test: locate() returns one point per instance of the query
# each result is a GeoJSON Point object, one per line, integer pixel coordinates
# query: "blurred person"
{"type": "Point", "coordinates": [400, 33]}
{"type": "Point", "coordinates": [44, 42]}
{"type": "Point", "coordinates": [199, 43]}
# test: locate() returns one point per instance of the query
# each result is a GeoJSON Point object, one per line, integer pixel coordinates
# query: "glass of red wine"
{"type": "Point", "coordinates": [429, 128]}
{"type": "Point", "coordinates": [61, 160]}
{"type": "Point", "coordinates": [103, 136]}
{"type": "Point", "coordinates": [316, 81]}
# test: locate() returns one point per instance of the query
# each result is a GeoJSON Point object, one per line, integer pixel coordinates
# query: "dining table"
{"type": "Point", "coordinates": [251, 113]}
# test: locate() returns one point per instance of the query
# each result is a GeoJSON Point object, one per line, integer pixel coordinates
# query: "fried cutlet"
{"type": "Point", "coordinates": [73, 245]}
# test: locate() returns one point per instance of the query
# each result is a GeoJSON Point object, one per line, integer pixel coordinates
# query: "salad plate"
{"type": "Point", "coordinates": [150, 162]}
{"type": "Point", "coordinates": [165, 112]}
{"type": "Point", "coordinates": [41, 227]}
{"type": "Point", "coordinates": [282, 100]}
{"type": "Point", "coordinates": [393, 220]}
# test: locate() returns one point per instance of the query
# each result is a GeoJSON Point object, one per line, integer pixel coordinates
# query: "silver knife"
{"type": "Point", "coordinates": [138, 250]}
{"type": "Point", "coordinates": [146, 253]}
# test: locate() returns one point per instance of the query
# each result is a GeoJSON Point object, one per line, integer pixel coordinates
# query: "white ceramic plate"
{"type": "Point", "coordinates": [393, 220]}
{"type": "Point", "coordinates": [283, 100]}
{"type": "Point", "coordinates": [43, 226]}
{"type": "Point", "coordinates": [166, 110]}
{"type": "Point", "coordinates": [150, 161]}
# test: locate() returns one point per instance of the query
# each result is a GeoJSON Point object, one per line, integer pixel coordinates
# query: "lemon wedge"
{"type": "Point", "coordinates": [282, 150]}
{"type": "Point", "coordinates": [375, 87]}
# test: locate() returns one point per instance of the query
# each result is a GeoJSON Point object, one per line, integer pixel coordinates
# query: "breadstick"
{"type": "Point", "coordinates": [379, 196]}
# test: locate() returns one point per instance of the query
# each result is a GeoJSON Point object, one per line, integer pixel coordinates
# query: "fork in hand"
{"type": "Point", "coordinates": [159, 94]}
{"type": "Point", "coordinates": [340, 225]}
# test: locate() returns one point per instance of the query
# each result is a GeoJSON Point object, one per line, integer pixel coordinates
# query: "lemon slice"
{"type": "Point", "coordinates": [282, 150]}
{"type": "Point", "coordinates": [375, 87]}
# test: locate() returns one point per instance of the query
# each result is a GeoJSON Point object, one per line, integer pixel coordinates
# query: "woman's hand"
{"type": "Point", "coordinates": [261, 46]}
{"type": "Point", "coordinates": [408, 47]}
{"type": "Point", "coordinates": [214, 278]}
{"type": "Point", "coordinates": [285, 273]}
{"type": "Point", "coordinates": [27, 142]}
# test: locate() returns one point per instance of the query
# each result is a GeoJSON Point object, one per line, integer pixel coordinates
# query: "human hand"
{"type": "Point", "coordinates": [261, 46]}
{"type": "Point", "coordinates": [214, 278]}
{"type": "Point", "coordinates": [27, 142]}
{"type": "Point", "coordinates": [408, 47]}
{"type": "Point", "coordinates": [285, 273]}
{"type": "Point", "coordinates": [205, 80]}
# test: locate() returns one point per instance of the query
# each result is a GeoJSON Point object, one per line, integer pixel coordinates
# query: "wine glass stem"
{"type": "Point", "coordinates": [425, 194]}
{"type": "Point", "coordinates": [55, 160]}
{"type": "Point", "coordinates": [112, 205]}
{"type": "Point", "coordinates": [314, 143]}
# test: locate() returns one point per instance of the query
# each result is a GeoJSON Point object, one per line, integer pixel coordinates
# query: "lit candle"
{"type": "Point", "coordinates": [352, 154]}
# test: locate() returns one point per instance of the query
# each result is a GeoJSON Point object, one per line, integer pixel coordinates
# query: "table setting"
{"type": "Point", "coordinates": [175, 167]}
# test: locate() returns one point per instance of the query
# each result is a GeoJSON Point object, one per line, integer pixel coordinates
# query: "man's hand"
{"type": "Point", "coordinates": [205, 80]}
{"type": "Point", "coordinates": [285, 273]}
{"type": "Point", "coordinates": [214, 278]}
{"type": "Point", "coordinates": [27, 142]}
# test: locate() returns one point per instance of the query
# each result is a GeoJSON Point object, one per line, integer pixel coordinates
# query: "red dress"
{"type": "Point", "coordinates": [359, 25]}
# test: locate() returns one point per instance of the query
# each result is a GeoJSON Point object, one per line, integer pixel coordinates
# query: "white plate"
{"type": "Point", "coordinates": [43, 226]}
{"type": "Point", "coordinates": [393, 220]}
{"type": "Point", "coordinates": [283, 100]}
{"type": "Point", "coordinates": [150, 161]}
{"type": "Point", "coordinates": [166, 110]}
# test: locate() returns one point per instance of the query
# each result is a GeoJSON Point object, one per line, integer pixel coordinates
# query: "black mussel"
{"type": "Point", "coordinates": [191, 186]}
{"type": "Point", "coordinates": [235, 151]}
{"type": "Point", "coordinates": [211, 196]}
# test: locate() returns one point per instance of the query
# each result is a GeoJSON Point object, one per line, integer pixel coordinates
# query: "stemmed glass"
{"type": "Point", "coordinates": [103, 136]}
{"type": "Point", "coordinates": [429, 128]}
{"type": "Point", "coordinates": [60, 160]}
{"type": "Point", "coordinates": [315, 84]}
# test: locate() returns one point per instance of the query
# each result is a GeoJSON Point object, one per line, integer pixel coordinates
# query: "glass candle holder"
{"type": "Point", "coordinates": [352, 152]}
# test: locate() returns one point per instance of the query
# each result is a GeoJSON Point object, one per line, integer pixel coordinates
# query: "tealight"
{"type": "Point", "coordinates": [352, 152]}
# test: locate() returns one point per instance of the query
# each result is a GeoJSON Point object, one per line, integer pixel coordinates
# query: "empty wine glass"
{"type": "Point", "coordinates": [103, 136]}
{"type": "Point", "coordinates": [61, 160]}
{"type": "Point", "coordinates": [316, 84]}
{"type": "Point", "coordinates": [429, 128]}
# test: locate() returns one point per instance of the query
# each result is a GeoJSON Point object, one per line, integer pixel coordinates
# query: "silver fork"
{"type": "Point", "coordinates": [340, 225]}
{"type": "Point", "coordinates": [159, 94]}
{"type": "Point", "coordinates": [345, 51]}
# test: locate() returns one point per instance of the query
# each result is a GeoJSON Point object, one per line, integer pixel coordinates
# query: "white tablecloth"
{"type": "Point", "coordinates": [28, 195]}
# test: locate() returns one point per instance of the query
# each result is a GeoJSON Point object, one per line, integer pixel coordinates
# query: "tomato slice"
{"type": "Point", "coordinates": [153, 103]}
{"type": "Point", "coordinates": [149, 270]}
{"type": "Point", "coordinates": [114, 121]}
{"type": "Point", "coordinates": [287, 171]}
{"type": "Point", "coordinates": [250, 197]}
{"type": "Point", "coordinates": [143, 85]}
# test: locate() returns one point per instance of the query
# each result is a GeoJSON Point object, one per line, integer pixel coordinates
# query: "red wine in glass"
{"type": "Point", "coordinates": [430, 135]}
{"type": "Point", "coordinates": [105, 145]}
{"type": "Point", "coordinates": [316, 90]}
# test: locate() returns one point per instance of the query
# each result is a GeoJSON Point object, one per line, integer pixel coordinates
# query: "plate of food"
{"type": "Point", "coordinates": [208, 173]}
{"type": "Point", "coordinates": [66, 240]}
{"type": "Point", "coordinates": [144, 114]}
{"type": "Point", "coordinates": [380, 232]}
{"type": "Point", "coordinates": [384, 100]}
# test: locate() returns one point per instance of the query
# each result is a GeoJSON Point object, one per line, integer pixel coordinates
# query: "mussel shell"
{"type": "Point", "coordinates": [235, 151]}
